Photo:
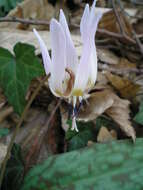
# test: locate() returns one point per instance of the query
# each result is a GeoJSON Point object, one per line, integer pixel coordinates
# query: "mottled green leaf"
{"type": "Point", "coordinates": [139, 116]}
{"type": "Point", "coordinates": [16, 73]}
{"type": "Point", "coordinates": [112, 166]}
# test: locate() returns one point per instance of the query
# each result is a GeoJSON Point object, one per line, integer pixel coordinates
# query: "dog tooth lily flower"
{"type": "Point", "coordinates": [71, 78]}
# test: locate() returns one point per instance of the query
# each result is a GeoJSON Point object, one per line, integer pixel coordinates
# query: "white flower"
{"type": "Point", "coordinates": [71, 78]}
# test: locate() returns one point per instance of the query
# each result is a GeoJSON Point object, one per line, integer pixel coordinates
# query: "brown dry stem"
{"type": "Point", "coordinates": [17, 128]}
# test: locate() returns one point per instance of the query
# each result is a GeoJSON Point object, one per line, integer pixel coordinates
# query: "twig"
{"type": "Point", "coordinates": [140, 45]}
{"type": "Point", "coordinates": [42, 132]}
{"type": "Point", "coordinates": [120, 71]}
{"type": "Point", "coordinates": [126, 13]}
{"type": "Point", "coordinates": [133, 31]}
{"type": "Point", "coordinates": [46, 23]}
{"type": "Point", "coordinates": [118, 18]}
{"type": "Point", "coordinates": [116, 35]}
{"type": "Point", "coordinates": [109, 33]}
{"type": "Point", "coordinates": [3, 167]}
{"type": "Point", "coordinates": [24, 21]}
{"type": "Point", "coordinates": [123, 33]}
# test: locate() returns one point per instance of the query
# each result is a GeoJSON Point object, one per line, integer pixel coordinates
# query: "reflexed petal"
{"type": "Point", "coordinates": [93, 67]}
{"type": "Point", "coordinates": [95, 22]}
{"type": "Point", "coordinates": [83, 71]}
{"type": "Point", "coordinates": [71, 57]}
{"type": "Point", "coordinates": [45, 54]}
{"type": "Point", "coordinates": [94, 18]}
{"type": "Point", "coordinates": [84, 23]}
{"type": "Point", "coordinates": [87, 70]}
{"type": "Point", "coordinates": [63, 22]}
{"type": "Point", "coordinates": [58, 56]}
{"type": "Point", "coordinates": [92, 11]}
{"type": "Point", "coordinates": [89, 22]}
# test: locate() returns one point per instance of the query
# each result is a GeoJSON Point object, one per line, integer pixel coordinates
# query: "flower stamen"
{"type": "Point", "coordinates": [70, 82]}
{"type": "Point", "coordinates": [74, 125]}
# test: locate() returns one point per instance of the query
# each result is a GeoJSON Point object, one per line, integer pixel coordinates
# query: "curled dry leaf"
{"type": "Point", "coordinates": [126, 87]}
{"type": "Point", "coordinates": [97, 104]}
{"type": "Point", "coordinates": [105, 135]}
{"type": "Point", "coordinates": [105, 101]}
{"type": "Point", "coordinates": [119, 112]}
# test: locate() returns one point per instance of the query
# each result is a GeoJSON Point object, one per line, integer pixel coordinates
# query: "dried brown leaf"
{"type": "Point", "coordinates": [105, 135]}
{"type": "Point", "coordinates": [127, 88]}
{"type": "Point", "coordinates": [34, 9]}
{"type": "Point", "coordinates": [106, 101]}
{"type": "Point", "coordinates": [124, 64]}
{"type": "Point", "coordinates": [119, 112]}
{"type": "Point", "coordinates": [109, 22]}
{"type": "Point", "coordinates": [107, 56]}
{"type": "Point", "coordinates": [113, 133]}
{"type": "Point", "coordinates": [97, 104]}
{"type": "Point", "coordinates": [90, 143]}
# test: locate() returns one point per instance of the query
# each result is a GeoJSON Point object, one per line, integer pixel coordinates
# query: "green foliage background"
{"type": "Point", "coordinates": [7, 5]}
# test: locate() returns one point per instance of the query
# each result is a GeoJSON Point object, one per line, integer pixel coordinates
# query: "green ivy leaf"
{"type": "Point", "coordinates": [105, 121]}
{"type": "Point", "coordinates": [3, 132]}
{"type": "Point", "coordinates": [80, 139]}
{"type": "Point", "coordinates": [115, 165]}
{"type": "Point", "coordinates": [9, 4]}
{"type": "Point", "coordinates": [16, 73]}
{"type": "Point", "coordinates": [139, 116]}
